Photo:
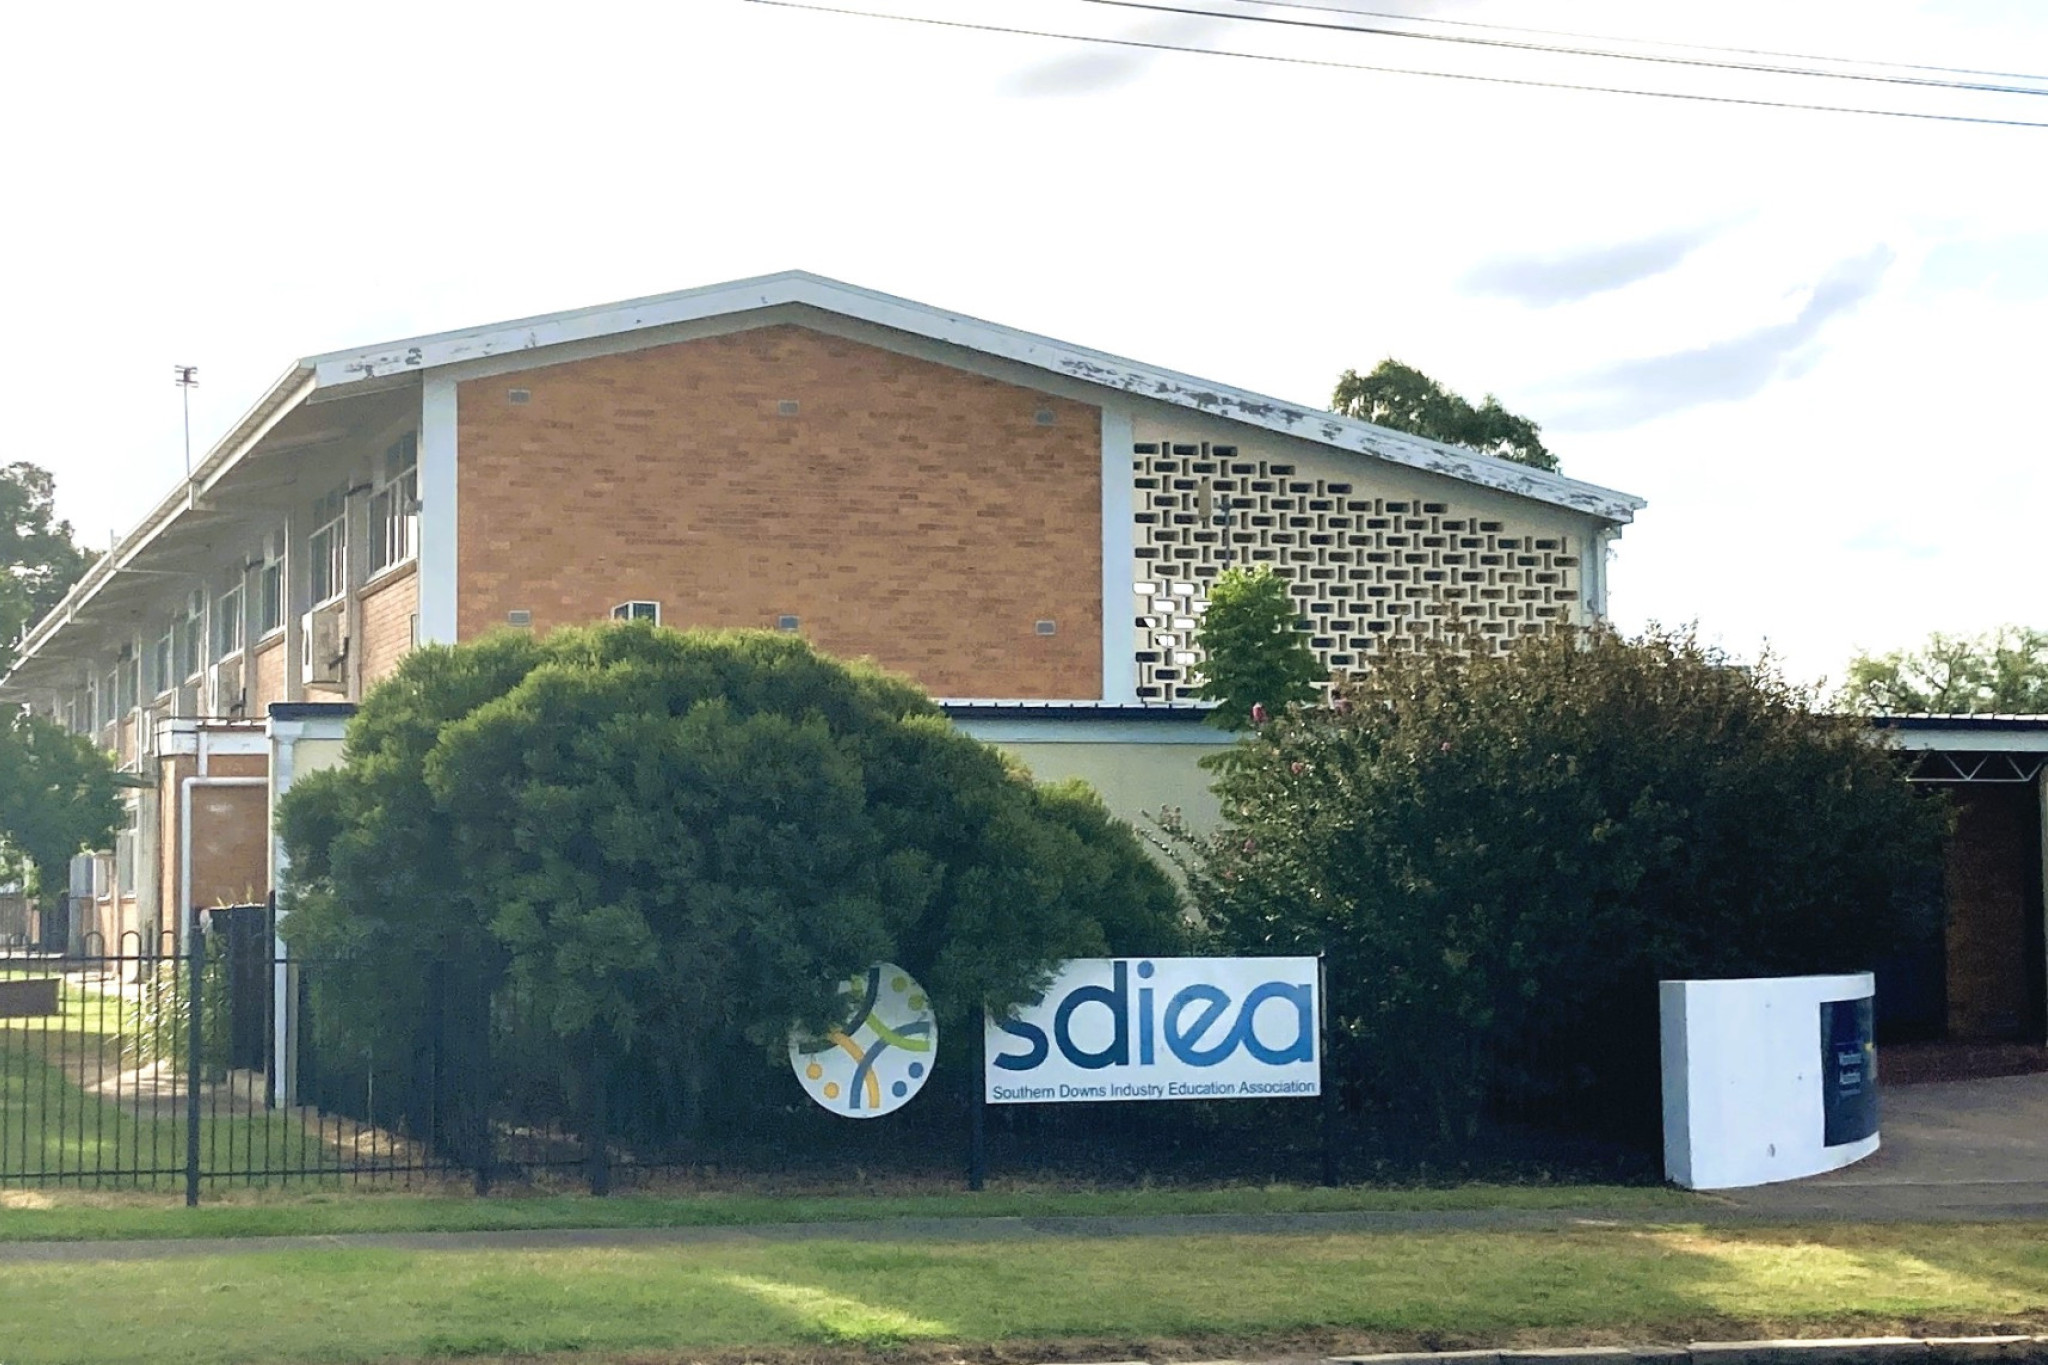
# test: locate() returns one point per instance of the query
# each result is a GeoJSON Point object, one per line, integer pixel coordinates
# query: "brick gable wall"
{"type": "Point", "coordinates": [906, 511]}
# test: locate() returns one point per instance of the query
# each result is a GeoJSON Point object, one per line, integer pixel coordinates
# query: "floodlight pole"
{"type": "Point", "coordinates": [187, 379]}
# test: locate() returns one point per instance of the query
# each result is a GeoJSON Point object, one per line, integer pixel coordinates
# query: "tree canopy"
{"type": "Point", "coordinates": [1503, 854]}
{"type": "Point", "coordinates": [38, 561]}
{"type": "Point", "coordinates": [1256, 652]}
{"type": "Point", "coordinates": [677, 844]}
{"type": "Point", "coordinates": [2003, 670]}
{"type": "Point", "coordinates": [1404, 398]}
{"type": "Point", "coordinates": [57, 799]}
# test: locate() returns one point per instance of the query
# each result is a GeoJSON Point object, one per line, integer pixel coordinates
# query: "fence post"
{"type": "Point", "coordinates": [977, 1118]}
{"type": "Point", "coordinates": [271, 954]}
{"type": "Point", "coordinates": [597, 1135]}
{"type": "Point", "coordinates": [195, 995]}
{"type": "Point", "coordinates": [1327, 1083]}
{"type": "Point", "coordinates": [483, 1070]}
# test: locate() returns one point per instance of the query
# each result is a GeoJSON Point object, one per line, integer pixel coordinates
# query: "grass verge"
{"type": "Point", "coordinates": [34, 1216]}
{"type": "Point", "coordinates": [1034, 1299]}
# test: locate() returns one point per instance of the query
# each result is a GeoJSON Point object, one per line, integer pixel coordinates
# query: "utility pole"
{"type": "Point", "coordinates": [187, 379]}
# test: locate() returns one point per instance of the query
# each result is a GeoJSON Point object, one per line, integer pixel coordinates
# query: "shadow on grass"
{"type": "Point", "coordinates": [1039, 1299]}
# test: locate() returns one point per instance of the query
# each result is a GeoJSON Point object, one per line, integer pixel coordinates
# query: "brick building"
{"type": "Point", "coordinates": [1012, 521]}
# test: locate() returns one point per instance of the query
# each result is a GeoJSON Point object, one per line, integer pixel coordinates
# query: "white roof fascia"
{"type": "Point", "coordinates": [1057, 357]}
{"type": "Point", "coordinates": [291, 389]}
{"type": "Point", "coordinates": [1962, 739]}
{"type": "Point", "coordinates": [1025, 728]}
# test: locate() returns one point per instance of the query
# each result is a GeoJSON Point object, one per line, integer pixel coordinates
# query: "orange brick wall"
{"type": "Point", "coordinates": [230, 834]}
{"type": "Point", "coordinates": [388, 608]}
{"type": "Point", "coordinates": [909, 512]}
{"type": "Point", "coordinates": [269, 682]}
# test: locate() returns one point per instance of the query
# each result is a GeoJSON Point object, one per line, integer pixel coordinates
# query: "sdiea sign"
{"type": "Point", "coordinates": [1162, 1028]}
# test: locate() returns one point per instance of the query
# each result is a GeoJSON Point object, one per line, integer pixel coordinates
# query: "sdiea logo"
{"type": "Point", "coordinates": [1200, 1023]}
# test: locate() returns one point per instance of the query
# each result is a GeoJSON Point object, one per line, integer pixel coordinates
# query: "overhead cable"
{"type": "Point", "coordinates": [1523, 45]}
{"type": "Point", "coordinates": [1329, 8]}
{"type": "Point", "coordinates": [1330, 64]}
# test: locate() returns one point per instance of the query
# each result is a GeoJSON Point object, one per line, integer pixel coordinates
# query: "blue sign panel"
{"type": "Point", "coordinates": [1848, 1086]}
{"type": "Point", "coordinates": [1183, 1028]}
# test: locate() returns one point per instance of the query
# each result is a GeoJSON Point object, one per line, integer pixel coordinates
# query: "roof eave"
{"type": "Point", "coordinates": [801, 288]}
{"type": "Point", "coordinates": [290, 389]}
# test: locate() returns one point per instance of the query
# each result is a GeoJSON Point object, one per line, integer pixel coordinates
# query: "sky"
{"type": "Point", "coordinates": [1805, 337]}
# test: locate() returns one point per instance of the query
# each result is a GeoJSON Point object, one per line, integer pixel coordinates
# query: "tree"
{"type": "Point", "coordinates": [57, 799]}
{"type": "Point", "coordinates": [1404, 398]}
{"type": "Point", "coordinates": [1503, 854]}
{"type": "Point", "coordinates": [38, 562]}
{"type": "Point", "coordinates": [676, 845]}
{"type": "Point", "coordinates": [1256, 651]}
{"type": "Point", "coordinates": [2004, 670]}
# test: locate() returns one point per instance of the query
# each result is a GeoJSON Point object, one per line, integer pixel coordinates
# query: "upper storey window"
{"type": "Point", "coordinates": [160, 655]}
{"type": "Point", "coordinates": [270, 586]}
{"type": "Point", "coordinates": [327, 547]}
{"type": "Point", "coordinates": [227, 622]}
{"type": "Point", "coordinates": [395, 506]}
{"type": "Point", "coordinates": [191, 633]}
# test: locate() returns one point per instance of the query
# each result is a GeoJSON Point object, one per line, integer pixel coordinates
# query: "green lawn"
{"type": "Point", "coordinates": [1190, 1295]}
{"type": "Point", "coordinates": [65, 1118]}
{"type": "Point", "coordinates": [283, 1213]}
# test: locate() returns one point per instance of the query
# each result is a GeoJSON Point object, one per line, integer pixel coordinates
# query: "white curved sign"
{"type": "Point", "coordinates": [881, 1056]}
{"type": "Point", "coordinates": [1767, 1078]}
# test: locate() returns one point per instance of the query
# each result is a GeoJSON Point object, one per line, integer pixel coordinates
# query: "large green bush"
{"type": "Point", "coordinates": [1502, 855]}
{"type": "Point", "coordinates": [671, 847]}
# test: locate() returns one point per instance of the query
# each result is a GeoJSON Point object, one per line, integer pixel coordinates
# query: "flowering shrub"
{"type": "Point", "coordinates": [1501, 855]}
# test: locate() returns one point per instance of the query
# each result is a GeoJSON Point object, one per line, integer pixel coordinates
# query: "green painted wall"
{"type": "Point", "coordinates": [1135, 780]}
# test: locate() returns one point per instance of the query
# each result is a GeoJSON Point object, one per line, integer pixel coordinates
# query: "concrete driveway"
{"type": "Point", "coordinates": [1962, 1149]}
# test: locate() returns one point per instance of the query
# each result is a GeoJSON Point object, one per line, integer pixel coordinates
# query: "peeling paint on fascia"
{"type": "Point", "coordinates": [1422, 455]}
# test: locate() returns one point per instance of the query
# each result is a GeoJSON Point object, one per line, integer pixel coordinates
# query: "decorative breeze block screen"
{"type": "Point", "coordinates": [1368, 571]}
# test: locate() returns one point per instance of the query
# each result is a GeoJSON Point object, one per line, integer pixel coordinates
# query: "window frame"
{"type": "Point", "coordinates": [332, 560]}
{"type": "Point", "coordinates": [163, 656]}
{"type": "Point", "coordinates": [270, 589]}
{"type": "Point", "coordinates": [127, 686]}
{"type": "Point", "coordinates": [631, 611]}
{"type": "Point", "coordinates": [126, 839]}
{"type": "Point", "coordinates": [227, 632]}
{"type": "Point", "coordinates": [191, 632]}
{"type": "Point", "coordinates": [395, 508]}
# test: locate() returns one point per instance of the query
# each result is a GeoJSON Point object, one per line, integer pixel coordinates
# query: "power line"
{"type": "Point", "coordinates": [1522, 45]}
{"type": "Point", "coordinates": [1329, 64]}
{"type": "Point", "coordinates": [1608, 38]}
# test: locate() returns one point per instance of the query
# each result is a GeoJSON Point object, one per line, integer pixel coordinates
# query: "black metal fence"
{"type": "Point", "coordinates": [225, 1061]}
{"type": "Point", "coordinates": [156, 1064]}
